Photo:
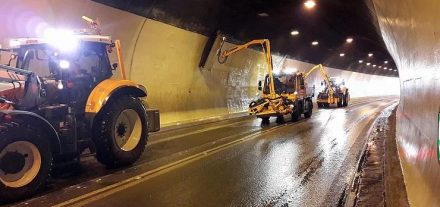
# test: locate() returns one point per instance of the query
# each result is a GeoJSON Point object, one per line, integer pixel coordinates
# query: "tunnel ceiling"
{"type": "Point", "coordinates": [330, 23]}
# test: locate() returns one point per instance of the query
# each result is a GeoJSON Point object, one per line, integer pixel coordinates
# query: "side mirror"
{"type": "Point", "coordinates": [114, 66]}
{"type": "Point", "coordinates": [259, 86]}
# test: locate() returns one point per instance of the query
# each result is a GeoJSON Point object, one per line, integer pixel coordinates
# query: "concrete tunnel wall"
{"type": "Point", "coordinates": [411, 31]}
{"type": "Point", "coordinates": [165, 59]}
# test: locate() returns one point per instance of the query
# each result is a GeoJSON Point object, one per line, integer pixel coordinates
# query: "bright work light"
{"type": "Point", "coordinates": [64, 64]}
{"type": "Point", "coordinates": [62, 39]}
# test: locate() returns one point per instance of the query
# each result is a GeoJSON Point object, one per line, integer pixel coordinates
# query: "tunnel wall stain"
{"type": "Point", "coordinates": [165, 59]}
{"type": "Point", "coordinates": [201, 16]}
{"type": "Point", "coordinates": [411, 31]}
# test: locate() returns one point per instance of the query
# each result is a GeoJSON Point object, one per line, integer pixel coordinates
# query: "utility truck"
{"type": "Point", "coordinates": [281, 94]}
{"type": "Point", "coordinates": [334, 91]}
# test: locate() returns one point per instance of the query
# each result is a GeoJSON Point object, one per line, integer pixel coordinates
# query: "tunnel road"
{"type": "Point", "coordinates": [233, 162]}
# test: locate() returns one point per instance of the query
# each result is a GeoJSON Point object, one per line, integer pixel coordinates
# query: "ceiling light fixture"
{"type": "Point", "coordinates": [361, 61]}
{"type": "Point", "coordinates": [263, 14]}
{"type": "Point", "coordinates": [370, 54]}
{"type": "Point", "coordinates": [294, 33]}
{"type": "Point", "coordinates": [314, 43]}
{"type": "Point", "coordinates": [310, 4]}
{"type": "Point", "coordinates": [342, 54]}
{"type": "Point", "coordinates": [349, 40]}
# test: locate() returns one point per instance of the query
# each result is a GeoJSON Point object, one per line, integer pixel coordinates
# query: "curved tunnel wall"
{"type": "Point", "coordinates": [165, 59]}
{"type": "Point", "coordinates": [411, 31]}
{"type": "Point", "coordinates": [359, 84]}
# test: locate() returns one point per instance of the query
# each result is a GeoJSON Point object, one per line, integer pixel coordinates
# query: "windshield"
{"type": "Point", "coordinates": [90, 59]}
{"type": "Point", "coordinates": [282, 84]}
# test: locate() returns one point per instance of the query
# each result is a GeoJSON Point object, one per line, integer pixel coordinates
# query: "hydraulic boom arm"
{"type": "Point", "coordinates": [223, 55]}
{"type": "Point", "coordinates": [324, 75]}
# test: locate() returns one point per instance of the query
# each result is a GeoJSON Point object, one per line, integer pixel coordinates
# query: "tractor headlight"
{"type": "Point", "coordinates": [60, 85]}
{"type": "Point", "coordinates": [64, 64]}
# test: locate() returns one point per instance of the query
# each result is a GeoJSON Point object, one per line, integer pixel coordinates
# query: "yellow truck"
{"type": "Point", "coordinates": [281, 94]}
{"type": "Point", "coordinates": [334, 91]}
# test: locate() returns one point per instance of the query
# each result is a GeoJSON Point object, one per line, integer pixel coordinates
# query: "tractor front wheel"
{"type": "Point", "coordinates": [121, 132]}
{"type": "Point", "coordinates": [25, 162]}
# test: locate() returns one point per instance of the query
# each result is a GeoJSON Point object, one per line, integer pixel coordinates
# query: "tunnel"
{"type": "Point", "coordinates": [208, 73]}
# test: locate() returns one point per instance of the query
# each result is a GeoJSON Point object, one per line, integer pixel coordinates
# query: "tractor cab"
{"type": "Point", "coordinates": [66, 72]}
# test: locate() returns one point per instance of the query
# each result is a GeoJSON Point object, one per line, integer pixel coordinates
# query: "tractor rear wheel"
{"type": "Point", "coordinates": [25, 162]}
{"type": "Point", "coordinates": [121, 132]}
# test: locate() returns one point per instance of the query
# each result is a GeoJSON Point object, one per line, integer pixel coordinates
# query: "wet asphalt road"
{"type": "Point", "coordinates": [232, 163]}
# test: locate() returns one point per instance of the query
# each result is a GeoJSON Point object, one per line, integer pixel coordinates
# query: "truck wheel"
{"type": "Point", "coordinates": [121, 132]}
{"type": "Point", "coordinates": [25, 163]}
{"type": "Point", "coordinates": [345, 100]}
{"type": "Point", "coordinates": [339, 104]}
{"type": "Point", "coordinates": [296, 115]}
{"type": "Point", "coordinates": [280, 119]}
{"type": "Point", "coordinates": [265, 120]}
{"type": "Point", "coordinates": [309, 109]}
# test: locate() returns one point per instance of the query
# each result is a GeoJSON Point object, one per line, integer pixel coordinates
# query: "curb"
{"type": "Point", "coordinates": [351, 196]}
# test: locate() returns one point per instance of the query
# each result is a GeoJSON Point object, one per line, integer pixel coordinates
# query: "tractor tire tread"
{"type": "Point", "coordinates": [107, 152]}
